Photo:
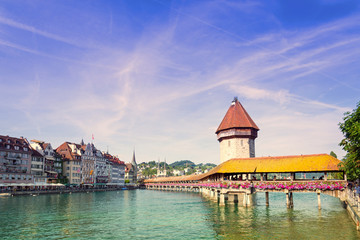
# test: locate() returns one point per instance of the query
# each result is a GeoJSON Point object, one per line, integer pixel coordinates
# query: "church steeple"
{"type": "Point", "coordinates": [236, 133]}
{"type": "Point", "coordinates": [133, 161]}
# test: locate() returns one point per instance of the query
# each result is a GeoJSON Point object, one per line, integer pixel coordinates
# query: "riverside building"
{"type": "Point", "coordinates": [88, 165]}
{"type": "Point", "coordinates": [71, 155]}
{"type": "Point", "coordinates": [52, 164]}
{"type": "Point", "coordinates": [117, 170]}
{"type": "Point", "coordinates": [15, 161]}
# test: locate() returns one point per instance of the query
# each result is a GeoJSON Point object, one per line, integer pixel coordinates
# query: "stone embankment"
{"type": "Point", "coordinates": [352, 205]}
{"type": "Point", "coordinates": [69, 191]}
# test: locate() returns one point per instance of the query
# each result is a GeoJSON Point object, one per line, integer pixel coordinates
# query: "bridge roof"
{"type": "Point", "coordinates": [175, 179]}
{"type": "Point", "coordinates": [281, 164]}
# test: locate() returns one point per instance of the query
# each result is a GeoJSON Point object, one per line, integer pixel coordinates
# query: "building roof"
{"type": "Point", "coordinates": [192, 177]}
{"type": "Point", "coordinates": [35, 153]}
{"type": "Point", "coordinates": [66, 151]}
{"type": "Point", "coordinates": [129, 167]}
{"type": "Point", "coordinates": [13, 142]}
{"type": "Point", "coordinates": [282, 164]}
{"type": "Point", "coordinates": [133, 161]}
{"type": "Point", "coordinates": [236, 117]}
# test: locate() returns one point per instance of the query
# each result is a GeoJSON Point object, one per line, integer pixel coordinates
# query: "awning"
{"type": "Point", "coordinates": [16, 184]}
{"type": "Point", "coordinates": [57, 184]}
{"type": "Point", "coordinates": [52, 172]}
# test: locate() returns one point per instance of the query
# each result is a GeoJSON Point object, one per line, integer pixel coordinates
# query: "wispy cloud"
{"type": "Point", "coordinates": [165, 94]}
{"type": "Point", "coordinates": [28, 28]}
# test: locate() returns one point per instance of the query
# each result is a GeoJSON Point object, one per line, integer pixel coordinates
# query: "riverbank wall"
{"type": "Point", "coordinates": [354, 213]}
{"type": "Point", "coordinates": [69, 191]}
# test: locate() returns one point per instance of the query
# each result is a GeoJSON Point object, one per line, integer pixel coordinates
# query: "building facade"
{"type": "Point", "coordinates": [15, 160]}
{"type": "Point", "coordinates": [37, 168]}
{"type": "Point", "coordinates": [101, 168]}
{"type": "Point", "coordinates": [52, 161]}
{"type": "Point", "coordinates": [117, 171]}
{"type": "Point", "coordinates": [71, 155]}
{"type": "Point", "coordinates": [88, 173]}
{"type": "Point", "coordinates": [131, 171]}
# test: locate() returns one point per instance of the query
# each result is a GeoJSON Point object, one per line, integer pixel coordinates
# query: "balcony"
{"type": "Point", "coordinates": [12, 170]}
{"type": "Point", "coordinates": [12, 157]}
{"type": "Point", "coordinates": [11, 163]}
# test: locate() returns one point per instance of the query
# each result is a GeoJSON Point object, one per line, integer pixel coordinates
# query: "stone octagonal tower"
{"type": "Point", "coordinates": [236, 133]}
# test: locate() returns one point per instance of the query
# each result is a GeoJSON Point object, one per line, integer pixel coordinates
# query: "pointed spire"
{"type": "Point", "coordinates": [236, 117]}
{"type": "Point", "coordinates": [133, 162]}
{"type": "Point", "coordinates": [82, 142]}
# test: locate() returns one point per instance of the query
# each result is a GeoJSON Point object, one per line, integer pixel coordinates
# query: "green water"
{"type": "Point", "coordinates": [145, 214]}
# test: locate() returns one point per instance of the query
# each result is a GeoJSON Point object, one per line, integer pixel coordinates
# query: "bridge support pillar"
{"type": "Point", "coordinates": [319, 199]}
{"type": "Point", "coordinates": [215, 195]}
{"type": "Point", "coordinates": [267, 198]}
{"type": "Point", "coordinates": [222, 199]}
{"type": "Point", "coordinates": [248, 199]}
{"type": "Point", "coordinates": [289, 199]}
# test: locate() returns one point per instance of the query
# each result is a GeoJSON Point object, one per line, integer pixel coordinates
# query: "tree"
{"type": "Point", "coordinates": [333, 154]}
{"type": "Point", "coordinates": [351, 143]}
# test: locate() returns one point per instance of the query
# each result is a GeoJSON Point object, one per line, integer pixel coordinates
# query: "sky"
{"type": "Point", "coordinates": [158, 76]}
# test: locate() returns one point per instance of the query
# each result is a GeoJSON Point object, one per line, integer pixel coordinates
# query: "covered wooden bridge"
{"type": "Point", "coordinates": [237, 180]}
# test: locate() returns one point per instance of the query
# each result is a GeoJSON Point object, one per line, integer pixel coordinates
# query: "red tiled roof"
{"type": "Point", "coordinates": [236, 117]}
{"type": "Point", "coordinates": [129, 166]}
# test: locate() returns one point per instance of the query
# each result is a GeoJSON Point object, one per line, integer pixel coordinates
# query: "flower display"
{"type": "Point", "coordinates": [270, 185]}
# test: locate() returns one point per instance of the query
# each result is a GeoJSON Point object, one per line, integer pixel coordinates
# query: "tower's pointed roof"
{"type": "Point", "coordinates": [133, 162]}
{"type": "Point", "coordinates": [236, 117]}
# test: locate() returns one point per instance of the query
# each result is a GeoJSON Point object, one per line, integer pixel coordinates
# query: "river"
{"type": "Point", "coordinates": [148, 214]}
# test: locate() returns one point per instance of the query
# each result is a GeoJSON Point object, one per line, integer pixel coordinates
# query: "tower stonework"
{"type": "Point", "coordinates": [236, 133]}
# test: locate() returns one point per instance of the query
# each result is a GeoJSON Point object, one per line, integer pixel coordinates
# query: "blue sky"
{"type": "Point", "coordinates": [159, 76]}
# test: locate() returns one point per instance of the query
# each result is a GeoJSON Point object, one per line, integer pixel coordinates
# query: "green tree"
{"type": "Point", "coordinates": [351, 143]}
{"type": "Point", "coordinates": [333, 154]}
